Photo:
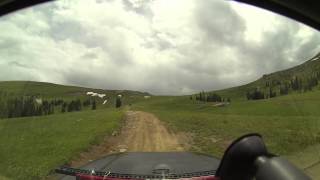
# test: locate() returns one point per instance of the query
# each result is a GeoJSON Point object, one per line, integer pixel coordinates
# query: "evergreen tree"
{"type": "Point", "coordinates": [267, 83]}
{"type": "Point", "coordinates": [213, 97]}
{"type": "Point", "coordinates": [271, 93]}
{"type": "Point", "coordinates": [39, 110]}
{"type": "Point", "coordinates": [86, 103]}
{"type": "Point", "coordinates": [51, 108]}
{"type": "Point", "coordinates": [45, 107]}
{"type": "Point", "coordinates": [284, 89]}
{"type": "Point", "coordinates": [118, 102]}
{"type": "Point", "coordinates": [63, 107]}
{"type": "Point", "coordinates": [295, 84]}
{"type": "Point", "coordinates": [94, 106]}
{"type": "Point", "coordinates": [71, 106]}
{"type": "Point", "coordinates": [248, 96]}
{"type": "Point", "coordinates": [255, 95]}
{"type": "Point", "coordinates": [78, 105]}
{"type": "Point", "coordinates": [200, 96]}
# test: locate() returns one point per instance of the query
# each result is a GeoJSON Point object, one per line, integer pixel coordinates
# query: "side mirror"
{"type": "Point", "coordinates": [247, 158]}
{"type": "Point", "coordinates": [277, 168]}
{"type": "Point", "coordinates": [238, 160]}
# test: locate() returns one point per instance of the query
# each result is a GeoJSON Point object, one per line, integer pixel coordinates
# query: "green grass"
{"type": "Point", "coordinates": [288, 123]}
{"type": "Point", "coordinates": [32, 147]}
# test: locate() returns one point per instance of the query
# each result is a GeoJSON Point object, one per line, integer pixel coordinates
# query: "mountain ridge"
{"type": "Point", "coordinates": [48, 88]}
{"type": "Point", "coordinates": [304, 71]}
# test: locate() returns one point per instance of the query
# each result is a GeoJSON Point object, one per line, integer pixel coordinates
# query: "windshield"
{"type": "Point", "coordinates": [81, 80]}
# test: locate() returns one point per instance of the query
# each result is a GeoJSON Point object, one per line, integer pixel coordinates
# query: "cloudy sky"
{"type": "Point", "coordinates": [159, 46]}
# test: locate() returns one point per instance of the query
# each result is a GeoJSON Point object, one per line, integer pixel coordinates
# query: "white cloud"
{"type": "Point", "coordinates": [161, 46]}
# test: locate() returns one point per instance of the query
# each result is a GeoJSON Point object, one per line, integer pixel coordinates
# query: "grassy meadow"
{"type": "Point", "coordinates": [31, 147]}
{"type": "Point", "coordinates": [288, 123]}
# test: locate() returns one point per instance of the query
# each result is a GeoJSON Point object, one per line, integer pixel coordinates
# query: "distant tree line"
{"type": "Point", "coordinates": [279, 88]}
{"type": "Point", "coordinates": [77, 105]}
{"type": "Point", "coordinates": [74, 105]}
{"type": "Point", "coordinates": [27, 106]}
{"type": "Point", "coordinates": [255, 94]}
{"type": "Point", "coordinates": [22, 106]}
{"type": "Point", "coordinates": [210, 97]}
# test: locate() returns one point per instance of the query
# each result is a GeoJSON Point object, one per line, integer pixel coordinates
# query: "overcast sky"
{"type": "Point", "coordinates": [160, 46]}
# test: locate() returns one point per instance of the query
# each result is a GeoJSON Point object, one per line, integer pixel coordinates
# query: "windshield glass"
{"type": "Point", "coordinates": [84, 79]}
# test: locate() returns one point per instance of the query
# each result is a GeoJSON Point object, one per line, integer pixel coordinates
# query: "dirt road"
{"type": "Point", "coordinates": [145, 132]}
{"type": "Point", "coordinates": [142, 132]}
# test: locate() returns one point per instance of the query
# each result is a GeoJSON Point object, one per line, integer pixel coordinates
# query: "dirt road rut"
{"type": "Point", "coordinates": [145, 132]}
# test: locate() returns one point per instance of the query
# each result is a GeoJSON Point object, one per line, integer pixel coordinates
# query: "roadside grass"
{"type": "Point", "coordinates": [288, 124]}
{"type": "Point", "coordinates": [31, 147]}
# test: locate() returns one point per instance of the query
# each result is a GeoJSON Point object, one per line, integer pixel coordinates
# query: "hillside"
{"type": "Point", "coordinates": [51, 90]}
{"type": "Point", "coordinates": [27, 98]}
{"type": "Point", "coordinates": [304, 72]}
{"type": "Point", "coordinates": [289, 122]}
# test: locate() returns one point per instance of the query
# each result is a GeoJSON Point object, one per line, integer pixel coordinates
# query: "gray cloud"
{"type": "Point", "coordinates": [279, 50]}
{"type": "Point", "coordinates": [309, 48]}
{"type": "Point", "coordinates": [220, 22]}
{"type": "Point", "coordinates": [180, 48]}
{"type": "Point", "coordinates": [140, 7]}
{"type": "Point", "coordinates": [18, 64]}
{"type": "Point", "coordinates": [89, 56]}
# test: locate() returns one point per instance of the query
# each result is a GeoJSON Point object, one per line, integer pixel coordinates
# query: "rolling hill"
{"type": "Point", "coordinates": [52, 90]}
{"type": "Point", "coordinates": [14, 96]}
{"type": "Point", "coordinates": [304, 72]}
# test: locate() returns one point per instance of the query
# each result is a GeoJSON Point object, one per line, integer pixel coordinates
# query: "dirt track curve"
{"type": "Point", "coordinates": [142, 132]}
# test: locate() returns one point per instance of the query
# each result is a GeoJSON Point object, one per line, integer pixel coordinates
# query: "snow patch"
{"type": "Point", "coordinates": [39, 101]}
{"type": "Point", "coordinates": [104, 102]}
{"type": "Point", "coordinates": [101, 96]}
{"type": "Point", "coordinates": [93, 94]}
